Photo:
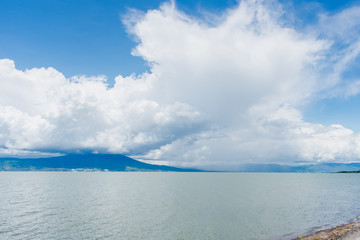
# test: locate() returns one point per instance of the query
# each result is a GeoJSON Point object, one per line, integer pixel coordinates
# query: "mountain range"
{"type": "Point", "coordinates": [83, 162]}
{"type": "Point", "coordinates": [117, 162]}
{"type": "Point", "coordinates": [309, 168]}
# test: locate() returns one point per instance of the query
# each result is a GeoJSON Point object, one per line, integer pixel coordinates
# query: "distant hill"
{"type": "Point", "coordinates": [83, 162]}
{"type": "Point", "coordinates": [349, 171]}
{"type": "Point", "coordinates": [311, 168]}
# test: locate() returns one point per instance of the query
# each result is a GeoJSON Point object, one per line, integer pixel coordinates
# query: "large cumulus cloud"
{"type": "Point", "coordinates": [217, 95]}
{"type": "Point", "coordinates": [42, 110]}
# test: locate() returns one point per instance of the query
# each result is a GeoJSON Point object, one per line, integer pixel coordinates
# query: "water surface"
{"type": "Point", "coordinates": [134, 205]}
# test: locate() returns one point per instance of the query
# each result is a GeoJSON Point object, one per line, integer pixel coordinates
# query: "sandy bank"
{"type": "Point", "coordinates": [349, 231]}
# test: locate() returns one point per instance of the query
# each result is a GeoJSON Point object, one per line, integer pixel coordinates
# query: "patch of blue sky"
{"type": "Point", "coordinates": [338, 110]}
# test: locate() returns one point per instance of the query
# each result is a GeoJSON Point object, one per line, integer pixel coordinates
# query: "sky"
{"type": "Point", "coordinates": [206, 84]}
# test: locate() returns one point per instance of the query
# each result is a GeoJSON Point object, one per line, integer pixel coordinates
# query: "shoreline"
{"type": "Point", "coordinates": [350, 231]}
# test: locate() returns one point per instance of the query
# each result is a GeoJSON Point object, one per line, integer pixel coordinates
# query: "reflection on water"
{"type": "Point", "coordinates": [130, 205]}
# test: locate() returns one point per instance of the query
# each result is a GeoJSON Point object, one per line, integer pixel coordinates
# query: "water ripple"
{"type": "Point", "coordinates": [156, 206]}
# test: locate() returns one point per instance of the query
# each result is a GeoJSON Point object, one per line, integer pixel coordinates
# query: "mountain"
{"type": "Point", "coordinates": [311, 168]}
{"type": "Point", "coordinates": [117, 162]}
{"type": "Point", "coordinates": [83, 162]}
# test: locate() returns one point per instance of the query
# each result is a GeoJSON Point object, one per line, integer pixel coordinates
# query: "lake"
{"type": "Point", "coordinates": [170, 205]}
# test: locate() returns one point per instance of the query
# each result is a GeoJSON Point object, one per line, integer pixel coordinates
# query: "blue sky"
{"type": "Point", "coordinates": [191, 92]}
{"type": "Point", "coordinates": [88, 37]}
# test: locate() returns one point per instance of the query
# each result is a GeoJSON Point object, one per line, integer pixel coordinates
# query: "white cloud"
{"type": "Point", "coordinates": [218, 95]}
{"type": "Point", "coordinates": [343, 31]}
{"type": "Point", "coordinates": [279, 137]}
{"type": "Point", "coordinates": [41, 109]}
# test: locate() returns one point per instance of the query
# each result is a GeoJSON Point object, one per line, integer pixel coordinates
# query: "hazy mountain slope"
{"type": "Point", "coordinates": [87, 162]}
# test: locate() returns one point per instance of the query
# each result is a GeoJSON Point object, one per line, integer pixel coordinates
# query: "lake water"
{"type": "Point", "coordinates": [135, 205]}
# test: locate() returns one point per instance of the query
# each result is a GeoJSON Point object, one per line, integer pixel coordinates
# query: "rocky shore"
{"type": "Point", "coordinates": [349, 231]}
